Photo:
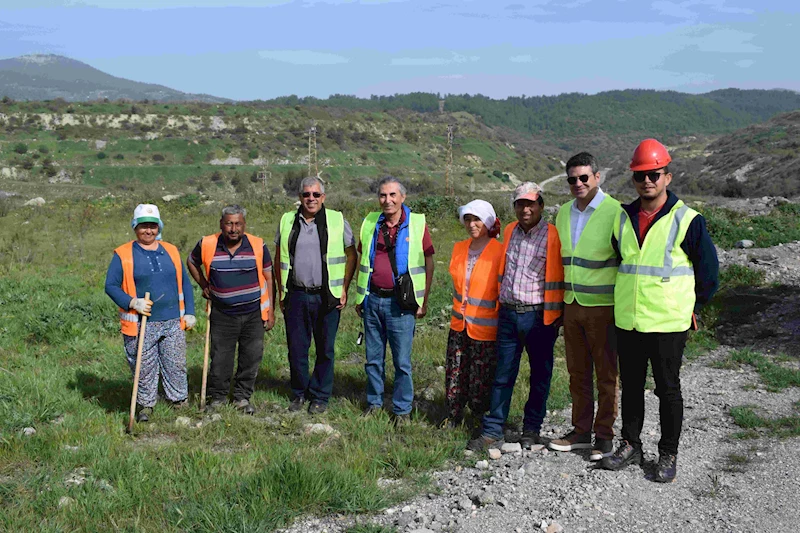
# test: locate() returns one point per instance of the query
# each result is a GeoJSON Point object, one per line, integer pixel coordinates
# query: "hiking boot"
{"type": "Point", "coordinates": [626, 454]}
{"type": "Point", "coordinates": [402, 420]}
{"type": "Point", "coordinates": [602, 448]}
{"type": "Point", "coordinates": [144, 414]}
{"type": "Point", "coordinates": [297, 404]}
{"type": "Point", "coordinates": [180, 404]}
{"type": "Point", "coordinates": [371, 410]}
{"type": "Point", "coordinates": [530, 438]}
{"type": "Point", "coordinates": [484, 442]}
{"type": "Point", "coordinates": [244, 406]}
{"type": "Point", "coordinates": [216, 404]}
{"type": "Point", "coordinates": [667, 468]}
{"type": "Point", "coordinates": [572, 441]}
{"type": "Point", "coordinates": [317, 407]}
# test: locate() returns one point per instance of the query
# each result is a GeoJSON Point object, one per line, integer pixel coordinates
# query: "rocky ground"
{"type": "Point", "coordinates": [724, 483]}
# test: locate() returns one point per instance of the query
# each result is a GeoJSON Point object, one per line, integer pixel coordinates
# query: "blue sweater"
{"type": "Point", "coordinates": [153, 272]}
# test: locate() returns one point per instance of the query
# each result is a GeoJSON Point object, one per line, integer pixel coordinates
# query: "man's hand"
{"type": "Point", "coordinates": [360, 310]}
{"type": "Point", "coordinates": [270, 323]}
{"type": "Point", "coordinates": [422, 311]}
{"type": "Point", "coordinates": [282, 305]}
{"type": "Point", "coordinates": [190, 321]}
{"type": "Point", "coordinates": [141, 306]}
{"type": "Point", "coordinates": [207, 292]}
{"type": "Point", "coordinates": [342, 300]}
{"type": "Point", "coordinates": [558, 322]}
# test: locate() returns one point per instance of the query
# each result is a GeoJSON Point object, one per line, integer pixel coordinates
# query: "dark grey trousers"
{"type": "Point", "coordinates": [226, 332]}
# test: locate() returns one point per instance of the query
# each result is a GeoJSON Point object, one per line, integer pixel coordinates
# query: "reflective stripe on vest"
{"type": "Point", "coordinates": [416, 255]}
{"type": "Point", "coordinates": [590, 269]}
{"type": "Point", "coordinates": [553, 272]}
{"type": "Point", "coordinates": [655, 290]}
{"type": "Point", "coordinates": [335, 259]}
{"type": "Point", "coordinates": [481, 305]}
{"type": "Point", "coordinates": [128, 318]}
{"type": "Point", "coordinates": [208, 248]}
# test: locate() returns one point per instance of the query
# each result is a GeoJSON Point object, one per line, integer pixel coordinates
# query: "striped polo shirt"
{"type": "Point", "coordinates": [233, 277]}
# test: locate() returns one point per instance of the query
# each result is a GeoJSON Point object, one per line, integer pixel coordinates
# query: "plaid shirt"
{"type": "Point", "coordinates": [523, 281]}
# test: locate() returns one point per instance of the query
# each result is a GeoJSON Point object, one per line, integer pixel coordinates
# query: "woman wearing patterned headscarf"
{"type": "Point", "coordinates": [475, 267]}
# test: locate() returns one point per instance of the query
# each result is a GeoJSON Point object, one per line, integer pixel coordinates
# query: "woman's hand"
{"type": "Point", "coordinates": [141, 306]}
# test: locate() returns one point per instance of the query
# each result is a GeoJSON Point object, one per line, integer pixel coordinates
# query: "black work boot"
{"type": "Point", "coordinates": [667, 468]}
{"type": "Point", "coordinates": [624, 455]}
{"type": "Point", "coordinates": [530, 438]}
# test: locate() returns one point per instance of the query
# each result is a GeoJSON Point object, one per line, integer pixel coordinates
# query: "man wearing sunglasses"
{"type": "Point", "coordinates": [585, 226]}
{"type": "Point", "coordinates": [668, 271]}
{"type": "Point", "coordinates": [317, 255]}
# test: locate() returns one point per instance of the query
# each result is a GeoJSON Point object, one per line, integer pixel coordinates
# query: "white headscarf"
{"type": "Point", "coordinates": [481, 209]}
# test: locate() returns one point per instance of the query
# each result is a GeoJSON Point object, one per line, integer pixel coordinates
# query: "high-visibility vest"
{"type": "Point", "coordinates": [590, 269]}
{"type": "Point", "coordinates": [553, 272]}
{"type": "Point", "coordinates": [482, 300]}
{"type": "Point", "coordinates": [128, 318]}
{"type": "Point", "coordinates": [334, 258]}
{"type": "Point", "coordinates": [209, 246]}
{"type": "Point", "coordinates": [654, 292]}
{"type": "Point", "coordinates": [416, 255]}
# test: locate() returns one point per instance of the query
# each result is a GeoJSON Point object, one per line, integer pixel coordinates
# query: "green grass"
{"type": "Point", "coordinates": [779, 226]}
{"type": "Point", "coordinates": [774, 376]}
{"type": "Point", "coordinates": [755, 426]}
{"type": "Point", "coordinates": [63, 372]}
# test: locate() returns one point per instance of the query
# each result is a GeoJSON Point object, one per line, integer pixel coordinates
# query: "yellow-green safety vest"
{"type": "Point", "coordinates": [590, 269]}
{"type": "Point", "coordinates": [416, 256]}
{"type": "Point", "coordinates": [654, 291]}
{"type": "Point", "coordinates": [334, 259]}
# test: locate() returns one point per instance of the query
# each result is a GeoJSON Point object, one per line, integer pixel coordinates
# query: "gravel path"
{"type": "Point", "coordinates": [723, 483]}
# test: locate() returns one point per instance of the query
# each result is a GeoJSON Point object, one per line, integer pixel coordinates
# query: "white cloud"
{"type": "Point", "coordinates": [525, 58]}
{"type": "Point", "coordinates": [745, 63]}
{"type": "Point", "coordinates": [303, 57]}
{"type": "Point", "coordinates": [432, 61]}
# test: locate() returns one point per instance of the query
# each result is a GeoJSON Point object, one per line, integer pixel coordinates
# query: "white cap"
{"type": "Point", "coordinates": [481, 209]}
{"type": "Point", "coordinates": [147, 213]}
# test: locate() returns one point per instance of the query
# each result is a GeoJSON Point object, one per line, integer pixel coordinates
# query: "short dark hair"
{"type": "Point", "coordinates": [583, 159]}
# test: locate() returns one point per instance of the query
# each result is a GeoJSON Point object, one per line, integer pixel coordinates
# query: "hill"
{"type": "Point", "coordinates": [760, 160]}
{"type": "Point", "coordinates": [203, 147]}
{"type": "Point", "coordinates": [47, 77]}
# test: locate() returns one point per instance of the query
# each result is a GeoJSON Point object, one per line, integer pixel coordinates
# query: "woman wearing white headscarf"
{"type": "Point", "coordinates": [475, 267]}
{"type": "Point", "coordinates": [144, 265]}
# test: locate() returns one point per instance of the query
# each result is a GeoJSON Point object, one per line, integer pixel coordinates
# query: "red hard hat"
{"type": "Point", "coordinates": [650, 155]}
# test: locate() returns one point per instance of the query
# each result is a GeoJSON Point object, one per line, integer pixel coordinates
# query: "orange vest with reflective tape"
{"type": "Point", "coordinates": [129, 318]}
{"type": "Point", "coordinates": [479, 308]}
{"type": "Point", "coordinates": [553, 272]}
{"type": "Point", "coordinates": [209, 247]}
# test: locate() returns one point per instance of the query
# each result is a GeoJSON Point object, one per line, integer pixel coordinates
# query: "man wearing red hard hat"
{"type": "Point", "coordinates": [668, 270]}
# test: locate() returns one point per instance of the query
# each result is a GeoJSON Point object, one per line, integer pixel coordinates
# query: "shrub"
{"type": "Point", "coordinates": [21, 148]}
{"type": "Point", "coordinates": [44, 149]}
{"type": "Point", "coordinates": [101, 155]}
{"type": "Point", "coordinates": [119, 157]}
{"type": "Point", "coordinates": [253, 154]}
{"type": "Point", "coordinates": [158, 157]}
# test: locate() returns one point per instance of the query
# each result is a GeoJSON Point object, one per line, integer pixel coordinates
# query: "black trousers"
{"type": "Point", "coordinates": [226, 332]}
{"type": "Point", "coordinates": [664, 351]}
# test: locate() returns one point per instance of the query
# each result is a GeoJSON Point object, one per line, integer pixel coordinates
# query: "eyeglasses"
{"type": "Point", "coordinates": [306, 194]}
{"type": "Point", "coordinates": [639, 177]}
{"type": "Point", "coordinates": [572, 180]}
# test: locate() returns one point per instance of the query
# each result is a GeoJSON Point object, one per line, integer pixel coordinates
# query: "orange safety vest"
{"type": "Point", "coordinates": [129, 318]}
{"type": "Point", "coordinates": [553, 272]}
{"type": "Point", "coordinates": [482, 305]}
{"type": "Point", "coordinates": [209, 247]}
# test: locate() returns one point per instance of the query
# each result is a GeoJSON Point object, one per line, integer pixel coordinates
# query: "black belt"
{"type": "Point", "coordinates": [522, 308]}
{"type": "Point", "coordinates": [381, 293]}
{"type": "Point", "coordinates": [307, 290]}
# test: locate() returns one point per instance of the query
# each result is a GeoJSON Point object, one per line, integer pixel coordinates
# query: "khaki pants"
{"type": "Point", "coordinates": [589, 336]}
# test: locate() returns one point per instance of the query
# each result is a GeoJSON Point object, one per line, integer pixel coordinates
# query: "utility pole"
{"type": "Point", "coordinates": [264, 175]}
{"type": "Point", "coordinates": [448, 185]}
{"type": "Point", "coordinates": [312, 151]}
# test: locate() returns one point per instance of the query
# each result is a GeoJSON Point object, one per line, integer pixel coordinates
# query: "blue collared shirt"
{"type": "Point", "coordinates": [578, 218]}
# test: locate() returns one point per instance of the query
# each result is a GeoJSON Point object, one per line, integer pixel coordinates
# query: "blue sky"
{"type": "Point", "coordinates": [258, 49]}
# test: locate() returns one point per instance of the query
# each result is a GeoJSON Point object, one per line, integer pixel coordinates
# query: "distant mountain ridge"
{"type": "Point", "coordinates": [49, 76]}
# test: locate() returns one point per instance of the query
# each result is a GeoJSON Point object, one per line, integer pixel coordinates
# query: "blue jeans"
{"type": "Point", "coordinates": [384, 320]}
{"type": "Point", "coordinates": [307, 316]}
{"type": "Point", "coordinates": [516, 331]}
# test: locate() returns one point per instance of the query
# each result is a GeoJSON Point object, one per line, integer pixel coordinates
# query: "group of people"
{"type": "Point", "coordinates": [625, 281]}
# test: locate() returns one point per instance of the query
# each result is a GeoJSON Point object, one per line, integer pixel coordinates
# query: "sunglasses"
{"type": "Point", "coordinates": [307, 194]}
{"type": "Point", "coordinates": [572, 180]}
{"type": "Point", "coordinates": [639, 177]}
